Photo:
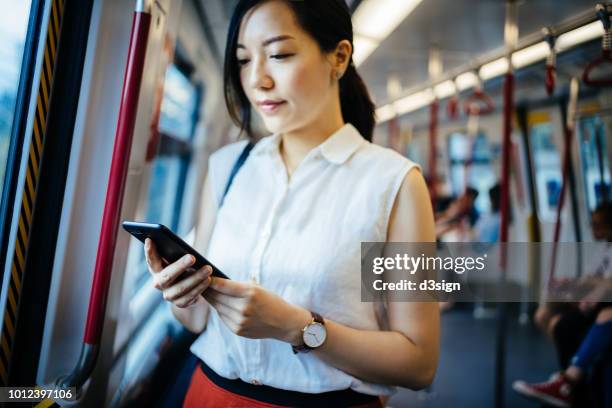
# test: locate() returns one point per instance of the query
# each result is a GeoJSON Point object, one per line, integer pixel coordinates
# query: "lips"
{"type": "Point", "coordinates": [270, 106]}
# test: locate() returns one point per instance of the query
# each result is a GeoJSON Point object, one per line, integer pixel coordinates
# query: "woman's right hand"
{"type": "Point", "coordinates": [180, 292]}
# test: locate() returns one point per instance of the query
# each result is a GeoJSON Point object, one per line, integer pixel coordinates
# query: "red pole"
{"type": "Point", "coordinates": [118, 175]}
{"type": "Point", "coordinates": [433, 150]}
{"type": "Point", "coordinates": [567, 145]}
{"type": "Point", "coordinates": [505, 176]}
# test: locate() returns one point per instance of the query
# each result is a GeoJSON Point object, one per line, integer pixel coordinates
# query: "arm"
{"type": "Point", "coordinates": [406, 355]}
{"type": "Point", "coordinates": [194, 317]}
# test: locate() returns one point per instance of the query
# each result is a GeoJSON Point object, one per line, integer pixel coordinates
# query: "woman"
{"type": "Point", "coordinates": [290, 228]}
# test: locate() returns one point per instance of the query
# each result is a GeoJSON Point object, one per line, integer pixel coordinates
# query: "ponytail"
{"type": "Point", "coordinates": [357, 106]}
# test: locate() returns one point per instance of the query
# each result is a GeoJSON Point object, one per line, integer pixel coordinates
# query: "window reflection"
{"type": "Point", "coordinates": [471, 165]}
{"type": "Point", "coordinates": [595, 165]}
{"type": "Point", "coordinates": [547, 164]}
{"type": "Point", "coordinates": [13, 29]}
{"type": "Point", "coordinates": [177, 122]}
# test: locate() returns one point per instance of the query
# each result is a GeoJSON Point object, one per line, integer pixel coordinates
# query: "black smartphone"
{"type": "Point", "coordinates": [169, 246]}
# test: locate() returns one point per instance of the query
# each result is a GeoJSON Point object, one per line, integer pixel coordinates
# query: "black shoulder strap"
{"type": "Point", "coordinates": [241, 159]}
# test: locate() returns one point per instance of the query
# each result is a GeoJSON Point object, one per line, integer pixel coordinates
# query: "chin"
{"type": "Point", "coordinates": [276, 126]}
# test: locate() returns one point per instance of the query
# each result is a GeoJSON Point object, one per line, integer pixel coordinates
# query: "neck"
{"type": "Point", "coordinates": [296, 144]}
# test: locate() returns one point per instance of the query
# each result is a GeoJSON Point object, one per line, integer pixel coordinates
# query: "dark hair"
{"type": "Point", "coordinates": [328, 22]}
{"type": "Point", "coordinates": [494, 197]}
{"type": "Point", "coordinates": [605, 210]}
{"type": "Point", "coordinates": [472, 192]}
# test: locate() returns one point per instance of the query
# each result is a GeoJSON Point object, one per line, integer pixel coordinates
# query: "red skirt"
{"type": "Point", "coordinates": [204, 393]}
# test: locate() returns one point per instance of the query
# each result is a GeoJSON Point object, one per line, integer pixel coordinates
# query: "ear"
{"type": "Point", "coordinates": [340, 58]}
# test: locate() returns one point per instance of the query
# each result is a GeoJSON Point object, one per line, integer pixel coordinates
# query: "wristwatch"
{"type": "Point", "coordinates": [313, 335]}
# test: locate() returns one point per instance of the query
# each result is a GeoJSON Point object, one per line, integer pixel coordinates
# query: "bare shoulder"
{"type": "Point", "coordinates": [412, 215]}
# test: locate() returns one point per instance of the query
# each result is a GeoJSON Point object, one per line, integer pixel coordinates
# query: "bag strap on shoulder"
{"type": "Point", "coordinates": [237, 165]}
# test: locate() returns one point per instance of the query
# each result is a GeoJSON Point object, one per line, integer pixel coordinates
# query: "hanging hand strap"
{"type": "Point", "coordinates": [606, 51]}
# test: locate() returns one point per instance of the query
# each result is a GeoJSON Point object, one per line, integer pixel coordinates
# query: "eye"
{"type": "Point", "coordinates": [281, 56]}
{"type": "Point", "coordinates": [242, 61]}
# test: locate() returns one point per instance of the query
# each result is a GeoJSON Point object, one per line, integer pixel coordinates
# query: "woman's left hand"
{"type": "Point", "coordinates": [251, 311]}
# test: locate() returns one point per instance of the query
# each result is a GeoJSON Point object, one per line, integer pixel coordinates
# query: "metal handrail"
{"type": "Point", "coordinates": [114, 198]}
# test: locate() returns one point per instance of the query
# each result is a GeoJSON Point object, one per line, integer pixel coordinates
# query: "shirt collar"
{"type": "Point", "coordinates": [337, 148]}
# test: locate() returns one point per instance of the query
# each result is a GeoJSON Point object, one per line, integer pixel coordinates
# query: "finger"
{"type": "Point", "coordinates": [230, 287]}
{"type": "Point", "coordinates": [153, 259]}
{"type": "Point", "coordinates": [230, 316]}
{"type": "Point", "coordinates": [170, 273]}
{"type": "Point", "coordinates": [192, 296]}
{"type": "Point", "coordinates": [213, 296]}
{"type": "Point", "coordinates": [177, 290]}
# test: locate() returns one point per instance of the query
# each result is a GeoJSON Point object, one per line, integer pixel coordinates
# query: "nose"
{"type": "Point", "coordinates": [258, 75]}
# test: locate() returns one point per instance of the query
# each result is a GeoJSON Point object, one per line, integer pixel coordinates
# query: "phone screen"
{"type": "Point", "coordinates": [169, 246]}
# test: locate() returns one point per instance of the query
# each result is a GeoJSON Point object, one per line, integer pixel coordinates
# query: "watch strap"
{"type": "Point", "coordinates": [304, 348]}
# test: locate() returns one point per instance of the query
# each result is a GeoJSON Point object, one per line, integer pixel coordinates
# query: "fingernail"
{"type": "Point", "coordinates": [188, 260]}
{"type": "Point", "coordinates": [209, 269]}
{"type": "Point", "coordinates": [147, 243]}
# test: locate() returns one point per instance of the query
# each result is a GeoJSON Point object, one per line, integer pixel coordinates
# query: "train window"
{"type": "Point", "coordinates": [547, 163]}
{"type": "Point", "coordinates": [595, 165]}
{"type": "Point", "coordinates": [177, 122]}
{"type": "Point", "coordinates": [13, 29]}
{"type": "Point", "coordinates": [471, 163]}
{"type": "Point", "coordinates": [179, 105]}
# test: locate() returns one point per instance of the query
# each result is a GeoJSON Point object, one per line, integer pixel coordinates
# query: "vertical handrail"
{"type": "Point", "coordinates": [433, 152]}
{"type": "Point", "coordinates": [567, 143]}
{"type": "Point", "coordinates": [114, 198]}
{"type": "Point", "coordinates": [510, 38]}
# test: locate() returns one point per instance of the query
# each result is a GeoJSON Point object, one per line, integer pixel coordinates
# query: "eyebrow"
{"type": "Point", "coordinates": [271, 40]}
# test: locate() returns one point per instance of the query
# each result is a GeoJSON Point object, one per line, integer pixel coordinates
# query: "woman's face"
{"type": "Point", "coordinates": [284, 74]}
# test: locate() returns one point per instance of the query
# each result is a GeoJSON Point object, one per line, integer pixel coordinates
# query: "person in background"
{"type": "Point", "coordinates": [487, 226]}
{"type": "Point", "coordinates": [460, 210]}
{"type": "Point", "coordinates": [582, 333]}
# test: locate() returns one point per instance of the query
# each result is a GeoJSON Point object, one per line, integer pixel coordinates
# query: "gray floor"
{"type": "Point", "coordinates": [466, 372]}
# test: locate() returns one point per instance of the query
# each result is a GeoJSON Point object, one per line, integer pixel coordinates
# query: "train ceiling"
{"type": "Point", "coordinates": [461, 29]}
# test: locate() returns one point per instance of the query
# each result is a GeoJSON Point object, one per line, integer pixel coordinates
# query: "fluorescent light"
{"type": "Point", "coordinates": [376, 19]}
{"type": "Point", "coordinates": [363, 48]}
{"type": "Point", "coordinates": [580, 35]}
{"type": "Point", "coordinates": [384, 113]}
{"type": "Point", "coordinates": [494, 68]}
{"type": "Point", "coordinates": [466, 80]}
{"type": "Point", "coordinates": [414, 101]}
{"type": "Point", "coordinates": [530, 55]}
{"type": "Point", "coordinates": [445, 89]}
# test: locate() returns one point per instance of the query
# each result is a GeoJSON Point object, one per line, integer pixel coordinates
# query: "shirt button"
{"type": "Point", "coordinates": [255, 382]}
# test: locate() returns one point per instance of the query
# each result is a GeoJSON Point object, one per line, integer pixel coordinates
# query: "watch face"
{"type": "Point", "coordinates": [315, 335]}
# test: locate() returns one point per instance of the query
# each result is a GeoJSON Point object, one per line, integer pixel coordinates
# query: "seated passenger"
{"type": "Point", "coordinates": [582, 333]}
{"type": "Point", "coordinates": [462, 208]}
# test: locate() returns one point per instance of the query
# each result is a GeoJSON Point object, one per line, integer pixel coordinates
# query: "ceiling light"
{"type": "Point", "coordinates": [445, 89]}
{"type": "Point", "coordinates": [530, 55]}
{"type": "Point", "coordinates": [466, 80]}
{"type": "Point", "coordinates": [580, 35]}
{"type": "Point", "coordinates": [376, 19]}
{"type": "Point", "coordinates": [413, 102]}
{"type": "Point", "coordinates": [494, 68]}
{"type": "Point", "coordinates": [385, 113]}
{"type": "Point", "coordinates": [363, 48]}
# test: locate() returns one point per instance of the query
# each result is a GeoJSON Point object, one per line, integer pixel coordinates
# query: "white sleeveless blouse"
{"type": "Point", "coordinates": [301, 239]}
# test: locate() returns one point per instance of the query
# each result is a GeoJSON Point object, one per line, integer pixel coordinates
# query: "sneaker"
{"type": "Point", "coordinates": [557, 391]}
